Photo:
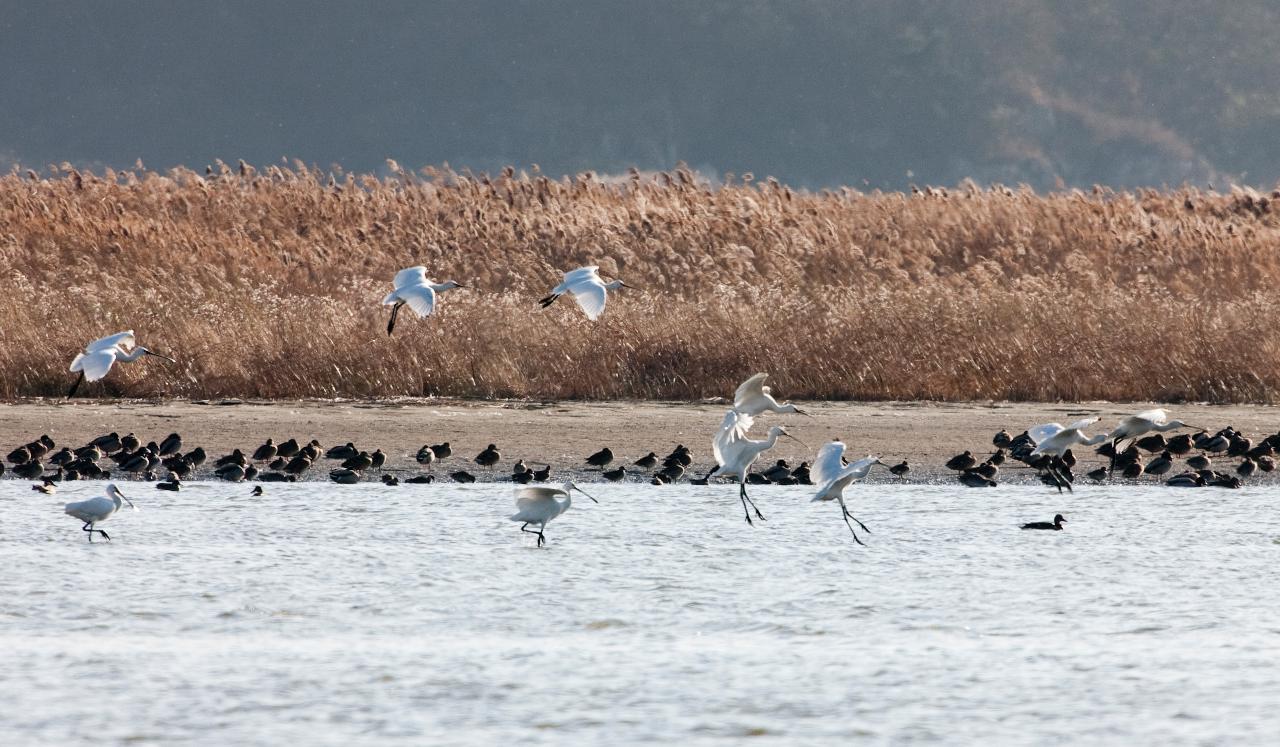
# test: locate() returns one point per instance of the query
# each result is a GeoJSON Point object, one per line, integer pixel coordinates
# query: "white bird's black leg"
{"type": "Point", "coordinates": [75, 386]}
{"type": "Point", "coordinates": [541, 539]}
{"type": "Point", "coordinates": [88, 528]}
{"type": "Point", "coordinates": [746, 499]}
{"type": "Point", "coordinates": [547, 301]}
{"type": "Point", "coordinates": [395, 310]}
{"type": "Point", "coordinates": [855, 534]}
{"type": "Point", "coordinates": [851, 516]}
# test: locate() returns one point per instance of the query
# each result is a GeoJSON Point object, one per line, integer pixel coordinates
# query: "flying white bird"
{"type": "Point", "coordinates": [97, 510]}
{"type": "Point", "coordinates": [539, 505]}
{"type": "Point", "coordinates": [753, 398]}
{"type": "Point", "coordinates": [413, 288]}
{"type": "Point", "coordinates": [1052, 440]}
{"type": "Point", "coordinates": [587, 289]}
{"type": "Point", "coordinates": [1143, 422]}
{"type": "Point", "coordinates": [832, 476]}
{"type": "Point", "coordinates": [100, 355]}
{"type": "Point", "coordinates": [735, 453]}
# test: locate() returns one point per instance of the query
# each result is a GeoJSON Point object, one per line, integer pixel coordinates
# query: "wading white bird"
{"type": "Point", "coordinates": [832, 476]}
{"type": "Point", "coordinates": [753, 398]}
{"type": "Point", "coordinates": [735, 453]}
{"type": "Point", "coordinates": [413, 288]}
{"type": "Point", "coordinates": [539, 505]}
{"type": "Point", "coordinates": [587, 289]}
{"type": "Point", "coordinates": [100, 355]}
{"type": "Point", "coordinates": [97, 510]}
{"type": "Point", "coordinates": [1053, 440]}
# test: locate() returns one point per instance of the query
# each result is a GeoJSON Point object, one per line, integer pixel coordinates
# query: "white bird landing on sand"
{"type": "Point", "coordinates": [753, 398]}
{"type": "Point", "coordinates": [100, 355]}
{"type": "Point", "coordinates": [97, 510]}
{"type": "Point", "coordinates": [413, 288]}
{"type": "Point", "coordinates": [539, 505]}
{"type": "Point", "coordinates": [832, 475]}
{"type": "Point", "coordinates": [735, 453]}
{"type": "Point", "coordinates": [587, 289]}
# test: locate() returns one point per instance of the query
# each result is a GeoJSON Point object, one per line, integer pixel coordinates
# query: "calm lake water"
{"type": "Point", "coordinates": [418, 614]}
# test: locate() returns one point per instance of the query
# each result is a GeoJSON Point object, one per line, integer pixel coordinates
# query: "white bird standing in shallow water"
{"type": "Point", "coordinates": [1053, 440]}
{"type": "Point", "coordinates": [101, 354]}
{"type": "Point", "coordinates": [587, 289]}
{"type": "Point", "coordinates": [753, 398]}
{"type": "Point", "coordinates": [539, 505]}
{"type": "Point", "coordinates": [413, 288]}
{"type": "Point", "coordinates": [833, 476]}
{"type": "Point", "coordinates": [735, 453]}
{"type": "Point", "coordinates": [97, 510]}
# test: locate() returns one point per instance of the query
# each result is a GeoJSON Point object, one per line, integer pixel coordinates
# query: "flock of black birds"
{"type": "Point", "coordinates": [290, 460]}
{"type": "Point", "coordinates": [1161, 459]}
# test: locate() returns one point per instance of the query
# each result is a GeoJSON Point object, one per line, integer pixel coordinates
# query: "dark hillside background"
{"type": "Point", "coordinates": [815, 93]}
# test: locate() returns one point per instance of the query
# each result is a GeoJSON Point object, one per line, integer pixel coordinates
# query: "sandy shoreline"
{"type": "Point", "coordinates": [564, 433]}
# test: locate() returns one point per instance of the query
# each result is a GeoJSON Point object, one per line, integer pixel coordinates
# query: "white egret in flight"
{"type": "Point", "coordinates": [1052, 440]}
{"type": "Point", "coordinates": [100, 355]}
{"type": "Point", "coordinates": [735, 453]}
{"type": "Point", "coordinates": [97, 510]}
{"type": "Point", "coordinates": [832, 476]}
{"type": "Point", "coordinates": [413, 288]}
{"type": "Point", "coordinates": [587, 289]}
{"type": "Point", "coordinates": [753, 398]}
{"type": "Point", "coordinates": [539, 505]}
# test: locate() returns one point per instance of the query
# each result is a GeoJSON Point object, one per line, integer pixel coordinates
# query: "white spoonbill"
{"type": "Point", "coordinates": [413, 288]}
{"type": "Point", "coordinates": [97, 510]}
{"type": "Point", "coordinates": [539, 505]}
{"type": "Point", "coordinates": [833, 475]}
{"type": "Point", "coordinates": [587, 289]}
{"type": "Point", "coordinates": [1053, 440]}
{"type": "Point", "coordinates": [1143, 422]}
{"type": "Point", "coordinates": [100, 355]}
{"type": "Point", "coordinates": [753, 398]}
{"type": "Point", "coordinates": [735, 453]}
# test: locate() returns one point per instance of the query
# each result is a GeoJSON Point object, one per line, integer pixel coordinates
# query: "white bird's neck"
{"type": "Point", "coordinates": [133, 355]}
{"type": "Point", "coordinates": [613, 285]}
{"type": "Point", "coordinates": [442, 287]}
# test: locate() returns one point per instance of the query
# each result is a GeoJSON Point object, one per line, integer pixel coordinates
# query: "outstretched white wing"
{"type": "Point", "coordinates": [420, 298]}
{"type": "Point", "coordinates": [94, 364]}
{"type": "Point", "coordinates": [1040, 433]}
{"type": "Point", "coordinates": [411, 276]}
{"type": "Point", "coordinates": [124, 340]}
{"type": "Point", "coordinates": [1080, 425]}
{"type": "Point", "coordinates": [828, 464]}
{"type": "Point", "coordinates": [749, 392]}
{"type": "Point", "coordinates": [1159, 416]}
{"type": "Point", "coordinates": [733, 430]}
{"type": "Point", "coordinates": [582, 273]}
{"type": "Point", "coordinates": [533, 496]}
{"type": "Point", "coordinates": [590, 294]}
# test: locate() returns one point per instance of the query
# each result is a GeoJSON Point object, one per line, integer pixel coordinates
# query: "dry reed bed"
{"type": "Point", "coordinates": [266, 283]}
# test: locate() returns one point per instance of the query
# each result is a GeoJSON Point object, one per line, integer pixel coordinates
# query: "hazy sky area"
{"type": "Point", "coordinates": [877, 94]}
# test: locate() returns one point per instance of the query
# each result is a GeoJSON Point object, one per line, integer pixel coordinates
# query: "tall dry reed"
{"type": "Point", "coordinates": [266, 283]}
